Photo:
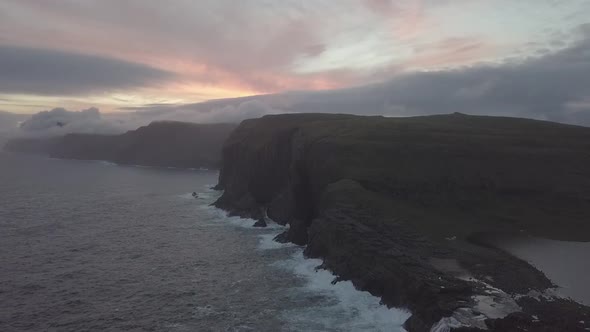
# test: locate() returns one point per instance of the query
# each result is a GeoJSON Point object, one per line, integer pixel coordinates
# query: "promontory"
{"type": "Point", "coordinates": [402, 207]}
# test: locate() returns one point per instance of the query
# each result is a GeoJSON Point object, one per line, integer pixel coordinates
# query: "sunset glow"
{"type": "Point", "coordinates": [219, 49]}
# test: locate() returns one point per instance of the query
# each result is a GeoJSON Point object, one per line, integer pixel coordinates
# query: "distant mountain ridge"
{"type": "Point", "coordinates": [162, 143]}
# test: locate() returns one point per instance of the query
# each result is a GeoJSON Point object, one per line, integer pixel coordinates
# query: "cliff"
{"type": "Point", "coordinates": [397, 206]}
{"type": "Point", "coordinates": [168, 143]}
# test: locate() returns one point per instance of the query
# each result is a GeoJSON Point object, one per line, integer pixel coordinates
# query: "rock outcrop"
{"type": "Point", "coordinates": [396, 205]}
{"type": "Point", "coordinates": [166, 143]}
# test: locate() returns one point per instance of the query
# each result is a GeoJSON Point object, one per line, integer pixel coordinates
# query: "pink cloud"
{"type": "Point", "coordinates": [451, 52]}
{"type": "Point", "coordinates": [247, 47]}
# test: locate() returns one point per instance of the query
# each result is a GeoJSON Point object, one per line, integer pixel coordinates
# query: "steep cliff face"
{"type": "Point", "coordinates": [263, 166]}
{"type": "Point", "coordinates": [175, 144]}
{"type": "Point", "coordinates": [378, 198]}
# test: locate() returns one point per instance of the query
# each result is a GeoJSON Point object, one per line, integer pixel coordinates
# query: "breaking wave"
{"type": "Point", "coordinates": [329, 306]}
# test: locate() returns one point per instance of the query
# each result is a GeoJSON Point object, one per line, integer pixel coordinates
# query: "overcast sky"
{"type": "Point", "coordinates": [525, 58]}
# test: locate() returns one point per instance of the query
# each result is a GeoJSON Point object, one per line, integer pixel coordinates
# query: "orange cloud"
{"type": "Point", "coordinates": [235, 48]}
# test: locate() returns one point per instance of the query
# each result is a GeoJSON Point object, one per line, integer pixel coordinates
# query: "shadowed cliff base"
{"type": "Point", "coordinates": [164, 143]}
{"type": "Point", "coordinates": [392, 204]}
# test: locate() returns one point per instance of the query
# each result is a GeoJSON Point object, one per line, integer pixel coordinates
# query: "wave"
{"type": "Point", "coordinates": [353, 310]}
{"type": "Point", "coordinates": [267, 242]}
{"type": "Point", "coordinates": [346, 309]}
{"type": "Point", "coordinates": [209, 196]}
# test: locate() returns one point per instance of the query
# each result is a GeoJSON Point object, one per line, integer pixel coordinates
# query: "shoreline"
{"type": "Point", "coordinates": [370, 311]}
{"type": "Point", "coordinates": [489, 308]}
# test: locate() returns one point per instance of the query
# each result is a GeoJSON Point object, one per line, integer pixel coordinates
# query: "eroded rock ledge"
{"type": "Point", "coordinates": [396, 205]}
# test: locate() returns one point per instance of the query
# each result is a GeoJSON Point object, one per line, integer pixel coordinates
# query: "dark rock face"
{"type": "Point", "coordinates": [171, 144]}
{"type": "Point", "coordinates": [260, 223]}
{"type": "Point", "coordinates": [393, 204]}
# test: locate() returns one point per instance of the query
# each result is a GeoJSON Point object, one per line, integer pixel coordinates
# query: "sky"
{"type": "Point", "coordinates": [400, 57]}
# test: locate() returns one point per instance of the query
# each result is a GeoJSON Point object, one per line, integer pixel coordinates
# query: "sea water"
{"type": "Point", "coordinates": [99, 247]}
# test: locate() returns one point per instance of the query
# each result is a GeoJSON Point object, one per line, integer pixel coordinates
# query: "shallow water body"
{"type": "Point", "coordinates": [98, 247]}
{"type": "Point", "coordinates": [565, 263]}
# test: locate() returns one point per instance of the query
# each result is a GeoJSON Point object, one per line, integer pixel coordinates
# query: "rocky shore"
{"type": "Point", "coordinates": [165, 144]}
{"type": "Point", "coordinates": [399, 205]}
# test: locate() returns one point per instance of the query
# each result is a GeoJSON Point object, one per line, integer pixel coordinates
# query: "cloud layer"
{"type": "Point", "coordinates": [554, 86]}
{"type": "Point", "coordinates": [227, 48]}
{"type": "Point", "coordinates": [60, 121]}
{"type": "Point", "coordinates": [45, 72]}
{"type": "Point", "coordinates": [154, 60]}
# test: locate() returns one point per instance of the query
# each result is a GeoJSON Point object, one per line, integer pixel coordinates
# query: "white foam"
{"type": "Point", "coordinates": [222, 216]}
{"type": "Point", "coordinates": [106, 163]}
{"type": "Point", "coordinates": [243, 222]}
{"type": "Point", "coordinates": [462, 317]}
{"type": "Point", "coordinates": [271, 225]}
{"type": "Point", "coordinates": [496, 304]}
{"type": "Point", "coordinates": [208, 196]}
{"type": "Point", "coordinates": [238, 221]}
{"type": "Point", "coordinates": [446, 324]}
{"type": "Point", "coordinates": [202, 197]}
{"type": "Point", "coordinates": [348, 309]}
{"type": "Point", "coordinates": [267, 242]}
{"type": "Point", "coordinates": [352, 310]}
{"type": "Point", "coordinates": [187, 196]}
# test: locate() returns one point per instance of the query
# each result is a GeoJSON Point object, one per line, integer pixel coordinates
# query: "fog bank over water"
{"type": "Point", "coordinates": [60, 121]}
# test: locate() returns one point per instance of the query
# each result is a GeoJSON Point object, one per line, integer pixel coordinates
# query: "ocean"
{"type": "Point", "coordinates": [93, 246]}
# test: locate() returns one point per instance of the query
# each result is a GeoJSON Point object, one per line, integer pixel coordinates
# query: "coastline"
{"type": "Point", "coordinates": [347, 308]}
{"type": "Point", "coordinates": [385, 226]}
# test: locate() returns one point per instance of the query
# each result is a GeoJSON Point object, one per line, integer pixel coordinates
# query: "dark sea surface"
{"type": "Point", "coordinates": [92, 246]}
